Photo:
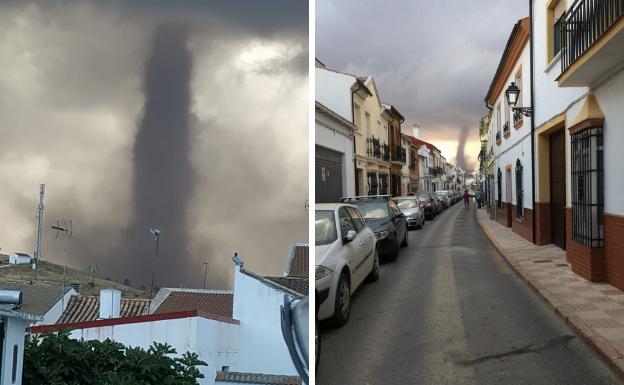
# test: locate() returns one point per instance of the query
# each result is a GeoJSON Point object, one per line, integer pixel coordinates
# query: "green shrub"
{"type": "Point", "coordinates": [56, 359]}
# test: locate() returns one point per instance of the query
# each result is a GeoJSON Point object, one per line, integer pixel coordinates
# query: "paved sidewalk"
{"type": "Point", "coordinates": [594, 310]}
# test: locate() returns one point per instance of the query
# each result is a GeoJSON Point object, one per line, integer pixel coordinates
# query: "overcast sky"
{"type": "Point", "coordinates": [433, 60]}
{"type": "Point", "coordinates": [72, 97]}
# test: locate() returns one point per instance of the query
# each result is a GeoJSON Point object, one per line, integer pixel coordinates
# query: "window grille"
{"type": "Point", "coordinates": [372, 183]}
{"type": "Point", "coordinates": [587, 187]}
{"type": "Point", "coordinates": [519, 191]}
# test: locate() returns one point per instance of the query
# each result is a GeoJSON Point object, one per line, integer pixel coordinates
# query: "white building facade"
{"type": "Point", "coordinates": [510, 135]}
{"type": "Point", "coordinates": [579, 94]}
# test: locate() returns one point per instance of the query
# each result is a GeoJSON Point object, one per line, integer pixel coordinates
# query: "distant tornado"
{"type": "Point", "coordinates": [460, 156]}
{"type": "Point", "coordinates": [163, 177]}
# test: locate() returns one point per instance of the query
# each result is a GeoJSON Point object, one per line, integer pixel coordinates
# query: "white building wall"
{"type": "Point", "coordinates": [610, 97]}
{"type": "Point", "coordinates": [262, 346]}
{"type": "Point", "coordinates": [14, 333]}
{"type": "Point", "coordinates": [518, 144]}
{"type": "Point", "coordinates": [329, 134]}
{"type": "Point", "coordinates": [333, 90]}
{"type": "Point", "coordinates": [215, 342]}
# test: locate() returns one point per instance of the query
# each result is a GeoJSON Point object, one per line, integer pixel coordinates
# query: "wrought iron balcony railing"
{"type": "Point", "coordinates": [584, 23]}
{"type": "Point", "coordinates": [385, 152]}
{"type": "Point", "coordinates": [399, 154]}
{"type": "Point", "coordinates": [498, 136]}
{"type": "Point", "coordinates": [506, 128]}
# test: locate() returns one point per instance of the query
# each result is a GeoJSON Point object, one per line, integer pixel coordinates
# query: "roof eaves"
{"type": "Point", "coordinates": [270, 283]}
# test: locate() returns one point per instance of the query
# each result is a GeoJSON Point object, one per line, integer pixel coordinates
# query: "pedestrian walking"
{"type": "Point", "coordinates": [466, 199]}
{"type": "Point", "coordinates": [479, 196]}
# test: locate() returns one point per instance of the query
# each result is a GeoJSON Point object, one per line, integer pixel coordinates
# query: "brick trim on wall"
{"type": "Point", "coordinates": [523, 228]}
{"type": "Point", "coordinates": [542, 223]}
{"type": "Point", "coordinates": [588, 262]}
{"type": "Point", "coordinates": [614, 249]}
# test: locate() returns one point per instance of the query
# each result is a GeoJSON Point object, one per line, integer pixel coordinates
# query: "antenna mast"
{"type": "Point", "coordinates": [39, 225]}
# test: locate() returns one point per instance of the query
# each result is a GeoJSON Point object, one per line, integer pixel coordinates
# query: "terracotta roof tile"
{"type": "Point", "coordinates": [257, 378]}
{"type": "Point", "coordinates": [38, 298]}
{"type": "Point", "coordinates": [211, 302]}
{"type": "Point", "coordinates": [299, 262]}
{"type": "Point", "coordinates": [83, 308]}
{"type": "Point", "coordinates": [300, 285]}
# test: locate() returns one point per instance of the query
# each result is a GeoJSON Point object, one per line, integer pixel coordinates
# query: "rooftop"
{"type": "Point", "coordinates": [216, 302]}
{"type": "Point", "coordinates": [38, 298]}
{"type": "Point", "coordinates": [256, 378]}
{"type": "Point", "coordinates": [83, 308]}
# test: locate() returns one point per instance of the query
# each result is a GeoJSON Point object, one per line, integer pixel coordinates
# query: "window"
{"type": "Point", "coordinates": [357, 120]}
{"type": "Point", "coordinates": [346, 224]}
{"type": "Point", "coordinates": [384, 184]}
{"type": "Point", "coordinates": [557, 36]}
{"type": "Point", "coordinates": [324, 227]}
{"type": "Point", "coordinates": [357, 219]}
{"type": "Point", "coordinates": [367, 122]}
{"type": "Point", "coordinates": [555, 16]}
{"type": "Point", "coordinates": [519, 191]}
{"type": "Point", "coordinates": [372, 183]}
{"type": "Point", "coordinates": [587, 187]}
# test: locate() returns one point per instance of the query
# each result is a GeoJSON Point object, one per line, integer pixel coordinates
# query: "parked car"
{"type": "Point", "coordinates": [413, 209]}
{"type": "Point", "coordinates": [428, 205]}
{"type": "Point", "coordinates": [386, 220]}
{"type": "Point", "coordinates": [443, 199]}
{"type": "Point", "coordinates": [445, 195]}
{"type": "Point", "coordinates": [346, 255]}
{"type": "Point", "coordinates": [471, 193]}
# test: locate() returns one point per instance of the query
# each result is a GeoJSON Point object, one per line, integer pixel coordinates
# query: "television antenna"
{"type": "Point", "coordinates": [92, 270]}
{"type": "Point", "coordinates": [64, 230]}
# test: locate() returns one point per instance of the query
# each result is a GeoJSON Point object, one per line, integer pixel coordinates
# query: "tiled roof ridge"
{"type": "Point", "coordinates": [199, 291]}
{"type": "Point", "coordinates": [257, 378]}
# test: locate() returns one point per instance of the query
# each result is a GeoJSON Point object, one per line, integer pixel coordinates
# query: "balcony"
{"type": "Point", "coordinates": [399, 154]}
{"type": "Point", "coordinates": [385, 152]}
{"type": "Point", "coordinates": [592, 37]}
{"type": "Point", "coordinates": [506, 130]}
{"type": "Point", "coordinates": [431, 171]}
{"type": "Point", "coordinates": [375, 148]}
{"type": "Point", "coordinates": [498, 137]}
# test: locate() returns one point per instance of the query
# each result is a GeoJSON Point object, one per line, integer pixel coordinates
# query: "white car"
{"type": "Point", "coordinates": [346, 255]}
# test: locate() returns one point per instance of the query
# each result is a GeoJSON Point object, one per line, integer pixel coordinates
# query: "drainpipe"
{"type": "Point", "coordinates": [532, 119]}
{"type": "Point", "coordinates": [359, 87]}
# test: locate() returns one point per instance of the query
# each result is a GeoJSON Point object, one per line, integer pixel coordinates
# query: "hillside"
{"type": "Point", "coordinates": [51, 273]}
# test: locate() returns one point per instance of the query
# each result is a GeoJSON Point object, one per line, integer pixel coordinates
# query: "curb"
{"type": "Point", "coordinates": [598, 343]}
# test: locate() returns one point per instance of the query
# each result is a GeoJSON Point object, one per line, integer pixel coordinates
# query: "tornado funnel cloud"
{"type": "Point", "coordinates": [163, 179]}
{"type": "Point", "coordinates": [460, 156]}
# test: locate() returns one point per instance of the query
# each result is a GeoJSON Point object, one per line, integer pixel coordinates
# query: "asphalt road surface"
{"type": "Point", "coordinates": [451, 311]}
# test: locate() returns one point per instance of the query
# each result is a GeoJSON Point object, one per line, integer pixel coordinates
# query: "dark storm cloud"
{"type": "Point", "coordinates": [432, 60]}
{"type": "Point", "coordinates": [91, 106]}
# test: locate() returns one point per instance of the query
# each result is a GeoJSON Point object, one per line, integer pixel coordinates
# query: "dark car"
{"type": "Point", "coordinates": [437, 204]}
{"type": "Point", "coordinates": [384, 217]}
{"type": "Point", "coordinates": [429, 205]}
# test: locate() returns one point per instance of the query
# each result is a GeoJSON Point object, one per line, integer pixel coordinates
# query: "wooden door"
{"type": "Point", "coordinates": [557, 188]}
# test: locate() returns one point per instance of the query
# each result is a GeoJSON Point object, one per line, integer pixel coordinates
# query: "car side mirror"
{"type": "Point", "coordinates": [351, 234]}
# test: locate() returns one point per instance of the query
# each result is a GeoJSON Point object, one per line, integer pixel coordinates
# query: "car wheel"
{"type": "Point", "coordinates": [373, 276]}
{"type": "Point", "coordinates": [404, 243]}
{"type": "Point", "coordinates": [342, 306]}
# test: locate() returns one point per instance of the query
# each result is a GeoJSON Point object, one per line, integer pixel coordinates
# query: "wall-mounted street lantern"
{"type": "Point", "coordinates": [512, 93]}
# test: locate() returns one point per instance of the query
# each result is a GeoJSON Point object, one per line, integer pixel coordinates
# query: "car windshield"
{"type": "Point", "coordinates": [373, 209]}
{"type": "Point", "coordinates": [424, 197]}
{"type": "Point", "coordinates": [407, 203]}
{"type": "Point", "coordinates": [325, 227]}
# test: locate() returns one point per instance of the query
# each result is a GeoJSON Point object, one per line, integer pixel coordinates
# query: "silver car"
{"type": "Point", "coordinates": [413, 209]}
{"type": "Point", "coordinates": [346, 255]}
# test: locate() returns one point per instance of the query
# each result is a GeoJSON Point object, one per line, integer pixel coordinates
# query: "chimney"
{"type": "Point", "coordinates": [416, 131]}
{"type": "Point", "coordinates": [110, 303]}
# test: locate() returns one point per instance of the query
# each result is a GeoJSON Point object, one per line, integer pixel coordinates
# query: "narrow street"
{"type": "Point", "coordinates": [452, 311]}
